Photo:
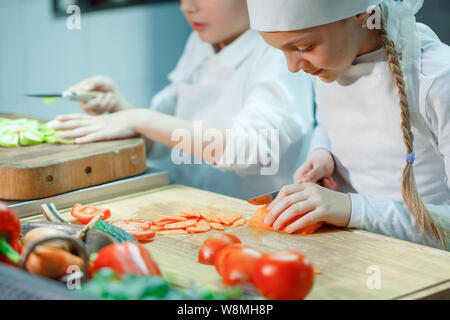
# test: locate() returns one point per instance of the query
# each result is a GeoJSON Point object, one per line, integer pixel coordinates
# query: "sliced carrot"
{"type": "Point", "coordinates": [201, 226]}
{"type": "Point", "coordinates": [190, 212]}
{"type": "Point", "coordinates": [164, 222]}
{"type": "Point", "coordinates": [181, 224]}
{"type": "Point", "coordinates": [172, 217]}
{"type": "Point", "coordinates": [257, 221]}
{"type": "Point", "coordinates": [229, 217]}
{"type": "Point", "coordinates": [217, 226]}
{"type": "Point", "coordinates": [172, 232]}
{"type": "Point", "coordinates": [317, 270]}
{"type": "Point", "coordinates": [210, 215]}
{"type": "Point", "coordinates": [239, 222]}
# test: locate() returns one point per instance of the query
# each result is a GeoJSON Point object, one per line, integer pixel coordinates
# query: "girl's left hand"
{"type": "Point", "coordinates": [311, 201]}
{"type": "Point", "coordinates": [84, 128]}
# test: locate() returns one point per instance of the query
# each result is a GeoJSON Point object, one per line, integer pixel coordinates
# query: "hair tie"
{"type": "Point", "coordinates": [411, 157]}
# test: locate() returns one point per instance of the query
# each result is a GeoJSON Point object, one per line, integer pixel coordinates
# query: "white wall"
{"type": "Point", "coordinates": [136, 46]}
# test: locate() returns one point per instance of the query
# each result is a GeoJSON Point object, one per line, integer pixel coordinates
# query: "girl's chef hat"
{"type": "Point", "coordinates": [288, 15]}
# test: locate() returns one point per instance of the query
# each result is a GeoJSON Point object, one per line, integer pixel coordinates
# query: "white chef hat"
{"type": "Point", "coordinates": [288, 15]}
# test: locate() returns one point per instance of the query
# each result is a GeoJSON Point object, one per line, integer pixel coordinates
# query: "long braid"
{"type": "Point", "coordinates": [422, 216]}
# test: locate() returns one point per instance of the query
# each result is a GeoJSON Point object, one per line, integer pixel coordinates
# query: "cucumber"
{"type": "Point", "coordinates": [119, 234]}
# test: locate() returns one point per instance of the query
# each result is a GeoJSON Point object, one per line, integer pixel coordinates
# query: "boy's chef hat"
{"type": "Point", "coordinates": [288, 15]}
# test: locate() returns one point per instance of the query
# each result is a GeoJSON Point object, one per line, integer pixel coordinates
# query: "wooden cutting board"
{"type": "Point", "coordinates": [347, 258]}
{"type": "Point", "coordinates": [33, 172]}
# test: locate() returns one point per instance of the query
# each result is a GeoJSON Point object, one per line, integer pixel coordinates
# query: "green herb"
{"type": "Point", "coordinates": [107, 285]}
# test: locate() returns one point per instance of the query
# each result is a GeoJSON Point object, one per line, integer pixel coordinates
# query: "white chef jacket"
{"type": "Point", "coordinates": [245, 86]}
{"type": "Point", "coordinates": [359, 122]}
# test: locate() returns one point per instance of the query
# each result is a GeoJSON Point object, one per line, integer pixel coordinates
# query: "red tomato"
{"type": "Point", "coordinates": [139, 229]}
{"type": "Point", "coordinates": [126, 258]}
{"type": "Point", "coordinates": [284, 275]}
{"type": "Point", "coordinates": [85, 214]}
{"type": "Point", "coordinates": [213, 245]}
{"type": "Point", "coordinates": [235, 263]}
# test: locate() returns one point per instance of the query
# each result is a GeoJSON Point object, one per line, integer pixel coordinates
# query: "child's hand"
{"type": "Point", "coordinates": [109, 100]}
{"type": "Point", "coordinates": [318, 167]}
{"type": "Point", "coordinates": [311, 201]}
{"type": "Point", "coordinates": [84, 128]}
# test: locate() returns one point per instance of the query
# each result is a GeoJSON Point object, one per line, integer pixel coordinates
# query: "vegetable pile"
{"type": "Point", "coordinates": [26, 132]}
{"type": "Point", "coordinates": [190, 220]}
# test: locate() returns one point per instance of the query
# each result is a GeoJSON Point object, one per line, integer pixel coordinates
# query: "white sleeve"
{"type": "Point", "coordinates": [165, 101]}
{"type": "Point", "coordinates": [276, 101]}
{"type": "Point", "coordinates": [320, 139]}
{"type": "Point", "coordinates": [438, 115]}
{"type": "Point", "coordinates": [392, 218]}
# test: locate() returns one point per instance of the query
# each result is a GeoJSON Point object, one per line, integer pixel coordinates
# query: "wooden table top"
{"type": "Point", "coordinates": [349, 259]}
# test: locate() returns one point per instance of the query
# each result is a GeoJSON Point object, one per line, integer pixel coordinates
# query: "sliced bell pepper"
{"type": "Point", "coordinates": [10, 246]}
{"type": "Point", "coordinates": [126, 258]}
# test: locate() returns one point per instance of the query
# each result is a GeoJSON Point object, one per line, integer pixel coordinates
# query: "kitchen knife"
{"type": "Point", "coordinates": [263, 199]}
{"type": "Point", "coordinates": [67, 95]}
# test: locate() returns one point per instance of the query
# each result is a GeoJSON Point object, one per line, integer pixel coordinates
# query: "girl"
{"type": "Point", "coordinates": [232, 81]}
{"type": "Point", "coordinates": [383, 104]}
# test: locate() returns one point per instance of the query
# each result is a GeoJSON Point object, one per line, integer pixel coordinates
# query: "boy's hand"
{"type": "Point", "coordinates": [109, 100]}
{"type": "Point", "coordinates": [84, 128]}
{"type": "Point", "coordinates": [318, 167]}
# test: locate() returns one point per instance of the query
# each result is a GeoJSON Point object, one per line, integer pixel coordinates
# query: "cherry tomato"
{"type": "Point", "coordinates": [235, 263]}
{"type": "Point", "coordinates": [85, 214]}
{"type": "Point", "coordinates": [126, 258]}
{"type": "Point", "coordinates": [284, 275]}
{"type": "Point", "coordinates": [139, 229]}
{"type": "Point", "coordinates": [213, 245]}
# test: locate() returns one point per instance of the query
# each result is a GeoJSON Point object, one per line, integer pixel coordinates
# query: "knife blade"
{"type": "Point", "coordinates": [68, 95]}
{"type": "Point", "coordinates": [263, 199]}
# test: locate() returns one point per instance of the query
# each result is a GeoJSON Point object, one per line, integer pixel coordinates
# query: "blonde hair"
{"type": "Point", "coordinates": [422, 216]}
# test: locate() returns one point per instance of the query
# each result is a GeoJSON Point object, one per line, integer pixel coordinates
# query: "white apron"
{"type": "Point", "coordinates": [362, 115]}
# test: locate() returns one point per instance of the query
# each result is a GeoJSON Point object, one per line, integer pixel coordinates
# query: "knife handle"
{"type": "Point", "coordinates": [80, 95]}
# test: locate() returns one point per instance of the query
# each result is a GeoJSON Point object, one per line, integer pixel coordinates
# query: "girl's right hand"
{"type": "Point", "coordinates": [318, 167]}
{"type": "Point", "coordinates": [108, 100]}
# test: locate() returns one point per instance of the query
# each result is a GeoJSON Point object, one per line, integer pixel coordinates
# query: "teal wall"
{"type": "Point", "coordinates": [136, 46]}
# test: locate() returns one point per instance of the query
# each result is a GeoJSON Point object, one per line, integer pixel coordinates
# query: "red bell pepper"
{"type": "Point", "coordinates": [10, 246]}
{"type": "Point", "coordinates": [126, 258]}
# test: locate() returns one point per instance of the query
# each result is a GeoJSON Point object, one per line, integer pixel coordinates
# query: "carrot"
{"type": "Point", "coordinates": [51, 262]}
{"type": "Point", "coordinates": [172, 217]}
{"type": "Point", "coordinates": [190, 212]}
{"type": "Point", "coordinates": [201, 226]}
{"type": "Point", "coordinates": [156, 228]}
{"type": "Point", "coordinates": [239, 222]}
{"type": "Point", "coordinates": [210, 215]}
{"type": "Point", "coordinates": [172, 232]}
{"type": "Point", "coordinates": [164, 222]}
{"type": "Point", "coordinates": [217, 226]}
{"type": "Point", "coordinates": [181, 224]}
{"type": "Point", "coordinates": [229, 217]}
{"type": "Point", "coordinates": [317, 270]}
{"type": "Point", "coordinates": [257, 221]}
